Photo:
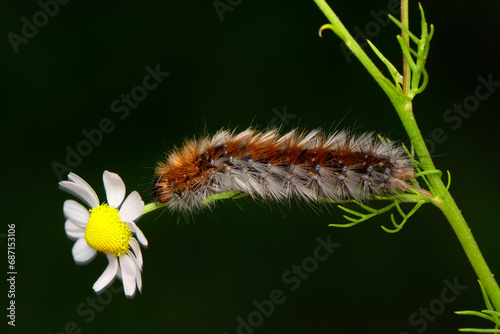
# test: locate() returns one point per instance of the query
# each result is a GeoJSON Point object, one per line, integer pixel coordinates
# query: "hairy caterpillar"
{"type": "Point", "coordinates": [309, 166]}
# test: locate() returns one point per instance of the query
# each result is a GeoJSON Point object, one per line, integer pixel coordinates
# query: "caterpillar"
{"type": "Point", "coordinates": [311, 166]}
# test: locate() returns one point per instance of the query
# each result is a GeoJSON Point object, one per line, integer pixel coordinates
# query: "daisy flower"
{"type": "Point", "coordinates": [108, 228]}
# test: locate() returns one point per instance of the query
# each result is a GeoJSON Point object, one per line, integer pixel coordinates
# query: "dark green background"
{"type": "Point", "coordinates": [201, 273]}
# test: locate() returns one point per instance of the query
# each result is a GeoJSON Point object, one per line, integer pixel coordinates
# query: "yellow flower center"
{"type": "Point", "coordinates": [105, 231]}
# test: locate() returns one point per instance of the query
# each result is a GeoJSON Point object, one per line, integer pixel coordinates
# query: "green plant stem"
{"type": "Point", "coordinates": [447, 205]}
{"type": "Point", "coordinates": [150, 207]}
{"type": "Point", "coordinates": [404, 107]}
{"type": "Point", "coordinates": [406, 39]}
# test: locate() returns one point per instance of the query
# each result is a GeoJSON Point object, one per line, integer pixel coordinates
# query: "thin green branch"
{"type": "Point", "coordinates": [490, 314]}
{"type": "Point", "coordinates": [340, 30]}
{"type": "Point", "coordinates": [406, 42]}
{"type": "Point", "coordinates": [226, 195]}
{"type": "Point", "coordinates": [396, 76]}
{"type": "Point", "coordinates": [150, 207]}
{"type": "Point", "coordinates": [362, 216]}
{"type": "Point", "coordinates": [479, 330]}
{"type": "Point", "coordinates": [475, 313]}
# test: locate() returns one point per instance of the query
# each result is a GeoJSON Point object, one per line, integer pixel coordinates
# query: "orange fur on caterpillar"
{"type": "Point", "coordinates": [308, 166]}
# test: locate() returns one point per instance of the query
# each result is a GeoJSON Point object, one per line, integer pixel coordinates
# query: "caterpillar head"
{"type": "Point", "coordinates": [161, 190]}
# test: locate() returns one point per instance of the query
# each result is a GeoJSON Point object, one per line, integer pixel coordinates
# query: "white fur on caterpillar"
{"type": "Point", "coordinates": [308, 166]}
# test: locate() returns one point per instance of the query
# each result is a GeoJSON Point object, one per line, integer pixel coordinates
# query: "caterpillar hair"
{"type": "Point", "coordinates": [310, 166]}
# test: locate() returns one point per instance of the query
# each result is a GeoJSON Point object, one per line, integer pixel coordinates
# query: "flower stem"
{"type": "Point", "coordinates": [404, 107]}
{"type": "Point", "coordinates": [150, 207]}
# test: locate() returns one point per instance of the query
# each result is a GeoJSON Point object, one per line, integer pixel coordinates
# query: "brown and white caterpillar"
{"type": "Point", "coordinates": [310, 166]}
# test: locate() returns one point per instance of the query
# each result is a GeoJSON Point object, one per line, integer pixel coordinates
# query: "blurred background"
{"type": "Point", "coordinates": [237, 64]}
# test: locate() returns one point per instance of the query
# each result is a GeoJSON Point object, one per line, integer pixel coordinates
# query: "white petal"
{"type": "Point", "coordinates": [73, 230]}
{"type": "Point", "coordinates": [132, 207]}
{"type": "Point", "coordinates": [138, 277]}
{"type": "Point", "coordinates": [76, 212]}
{"type": "Point", "coordinates": [108, 275]}
{"type": "Point", "coordinates": [94, 200]}
{"type": "Point", "coordinates": [82, 253]}
{"type": "Point", "coordinates": [119, 272]}
{"type": "Point", "coordinates": [138, 280]}
{"type": "Point", "coordinates": [129, 272]}
{"type": "Point", "coordinates": [137, 251]}
{"type": "Point", "coordinates": [140, 236]}
{"type": "Point", "coordinates": [90, 198]}
{"type": "Point", "coordinates": [115, 188]}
